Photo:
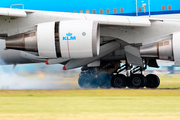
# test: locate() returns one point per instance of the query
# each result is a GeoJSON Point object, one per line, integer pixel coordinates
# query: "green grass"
{"type": "Point", "coordinates": [90, 104]}
{"type": "Point", "coordinates": [90, 93]}
{"type": "Point", "coordinates": [170, 81]}
{"type": "Point", "coordinates": [112, 104]}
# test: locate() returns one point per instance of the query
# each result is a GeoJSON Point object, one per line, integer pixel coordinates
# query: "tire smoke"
{"type": "Point", "coordinates": [37, 76]}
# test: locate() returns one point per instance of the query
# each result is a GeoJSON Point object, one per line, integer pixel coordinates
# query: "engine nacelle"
{"type": "Point", "coordinates": [66, 39]}
{"type": "Point", "coordinates": [167, 48]}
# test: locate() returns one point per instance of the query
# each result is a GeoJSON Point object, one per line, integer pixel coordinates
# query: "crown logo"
{"type": "Point", "coordinates": [69, 37]}
{"type": "Point", "coordinates": [69, 34]}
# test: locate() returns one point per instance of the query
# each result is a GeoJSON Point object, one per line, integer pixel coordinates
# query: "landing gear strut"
{"type": "Point", "coordinates": [135, 81]}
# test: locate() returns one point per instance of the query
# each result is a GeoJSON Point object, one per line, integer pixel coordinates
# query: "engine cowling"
{"type": "Point", "coordinates": [66, 39]}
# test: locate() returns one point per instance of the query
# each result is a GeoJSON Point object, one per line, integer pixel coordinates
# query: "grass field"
{"type": "Point", "coordinates": [112, 104]}
{"type": "Point", "coordinates": [90, 104]}
{"type": "Point", "coordinates": [170, 81]}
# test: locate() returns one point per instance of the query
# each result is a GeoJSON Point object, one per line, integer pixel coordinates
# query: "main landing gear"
{"type": "Point", "coordinates": [92, 78]}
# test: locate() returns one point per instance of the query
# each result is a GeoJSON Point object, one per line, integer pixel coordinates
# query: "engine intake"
{"type": "Point", "coordinates": [66, 39]}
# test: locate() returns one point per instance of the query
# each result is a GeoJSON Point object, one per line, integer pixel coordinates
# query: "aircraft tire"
{"type": "Point", "coordinates": [136, 81]}
{"type": "Point", "coordinates": [85, 81]}
{"type": "Point", "coordinates": [153, 81]}
{"type": "Point", "coordinates": [104, 81]}
{"type": "Point", "coordinates": [118, 81]}
{"type": "Point", "coordinates": [94, 83]}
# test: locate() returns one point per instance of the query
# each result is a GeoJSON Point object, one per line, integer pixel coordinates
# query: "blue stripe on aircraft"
{"type": "Point", "coordinates": [77, 5]}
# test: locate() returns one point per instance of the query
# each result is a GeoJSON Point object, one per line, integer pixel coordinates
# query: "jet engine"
{"type": "Point", "coordinates": [160, 50]}
{"type": "Point", "coordinates": [167, 48]}
{"type": "Point", "coordinates": [66, 39]}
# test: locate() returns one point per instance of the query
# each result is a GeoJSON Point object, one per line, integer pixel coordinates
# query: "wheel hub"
{"type": "Point", "coordinates": [86, 81]}
{"type": "Point", "coordinates": [152, 82]}
{"type": "Point", "coordinates": [136, 81]}
{"type": "Point", "coordinates": [118, 81]}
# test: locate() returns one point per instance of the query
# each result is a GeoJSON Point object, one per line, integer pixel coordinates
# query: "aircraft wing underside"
{"type": "Point", "coordinates": [72, 36]}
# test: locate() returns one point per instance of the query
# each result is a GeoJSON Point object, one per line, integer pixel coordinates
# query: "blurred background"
{"type": "Point", "coordinates": [41, 76]}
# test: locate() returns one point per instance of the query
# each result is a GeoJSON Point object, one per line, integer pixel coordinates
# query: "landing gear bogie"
{"type": "Point", "coordinates": [92, 78]}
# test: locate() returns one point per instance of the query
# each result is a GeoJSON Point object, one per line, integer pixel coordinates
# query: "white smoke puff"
{"type": "Point", "coordinates": [12, 80]}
